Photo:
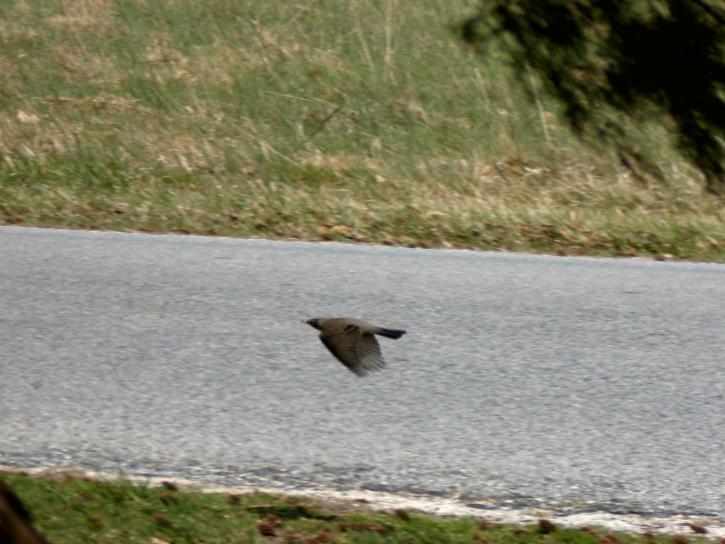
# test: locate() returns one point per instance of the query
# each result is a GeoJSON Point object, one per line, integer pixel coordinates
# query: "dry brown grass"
{"type": "Point", "coordinates": [353, 120]}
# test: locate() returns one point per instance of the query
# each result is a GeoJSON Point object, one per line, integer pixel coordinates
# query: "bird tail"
{"type": "Point", "coordinates": [390, 333]}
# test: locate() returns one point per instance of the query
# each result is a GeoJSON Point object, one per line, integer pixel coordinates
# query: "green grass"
{"type": "Point", "coordinates": [349, 120]}
{"type": "Point", "coordinates": [72, 510]}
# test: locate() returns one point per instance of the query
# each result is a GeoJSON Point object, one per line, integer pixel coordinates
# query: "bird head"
{"type": "Point", "coordinates": [313, 323]}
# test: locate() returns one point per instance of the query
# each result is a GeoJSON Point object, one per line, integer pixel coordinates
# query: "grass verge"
{"type": "Point", "coordinates": [72, 510]}
{"type": "Point", "coordinates": [355, 120]}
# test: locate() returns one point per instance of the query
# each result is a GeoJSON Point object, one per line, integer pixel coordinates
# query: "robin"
{"type": "Point", "coordinates": [353, 342]}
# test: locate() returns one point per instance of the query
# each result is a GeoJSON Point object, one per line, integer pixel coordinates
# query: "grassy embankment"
{"type": "Point", "coordinates": [353, 120]}
{"type": "Point", "coordinates": [69, 511]}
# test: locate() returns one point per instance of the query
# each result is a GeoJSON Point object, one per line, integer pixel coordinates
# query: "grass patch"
{"type": "Point", "coordinates": [362, 121]}
{"type": "Point", "coordinates": [70, 510]}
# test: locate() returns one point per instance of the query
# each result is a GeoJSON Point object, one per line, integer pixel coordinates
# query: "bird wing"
{"type": "Point", "coordinates": [368, 350]}
{"type": "Point", "coordinates": [360, 352]}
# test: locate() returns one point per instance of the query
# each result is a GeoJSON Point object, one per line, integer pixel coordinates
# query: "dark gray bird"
{"type": "Point", "coordinates": [353, 342]}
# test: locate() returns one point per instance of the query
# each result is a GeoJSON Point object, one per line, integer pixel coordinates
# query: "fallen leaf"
{"type": "Point", "coordinates": [342, 229]}
{"type": "Point", "coordinates": [546, 526]}
{"type": "Point", "coordinates": [29, 118]}
{"type": "Point", "coordinates": [266, 529]}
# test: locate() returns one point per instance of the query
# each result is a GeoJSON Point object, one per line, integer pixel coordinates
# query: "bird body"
{"type": "Point", "coordinates": [353, 342]}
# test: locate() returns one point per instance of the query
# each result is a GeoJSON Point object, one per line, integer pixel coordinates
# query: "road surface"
{"type": "Point", "coordinates": [573, 383]}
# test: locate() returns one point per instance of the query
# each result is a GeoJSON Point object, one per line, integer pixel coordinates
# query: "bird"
{"type": "Point", "coordinates": [353, 342]}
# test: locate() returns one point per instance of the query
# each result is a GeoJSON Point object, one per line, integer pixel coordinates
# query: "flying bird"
{"type": "Point", "coordinates": [353, 342]}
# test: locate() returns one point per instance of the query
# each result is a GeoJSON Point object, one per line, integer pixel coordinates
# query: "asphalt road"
{"type": "Point", "coordinates": [577, 383]}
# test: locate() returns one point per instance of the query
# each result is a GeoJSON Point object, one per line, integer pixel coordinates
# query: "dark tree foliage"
{"type": "Point", "coordinates": [640, 57]}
